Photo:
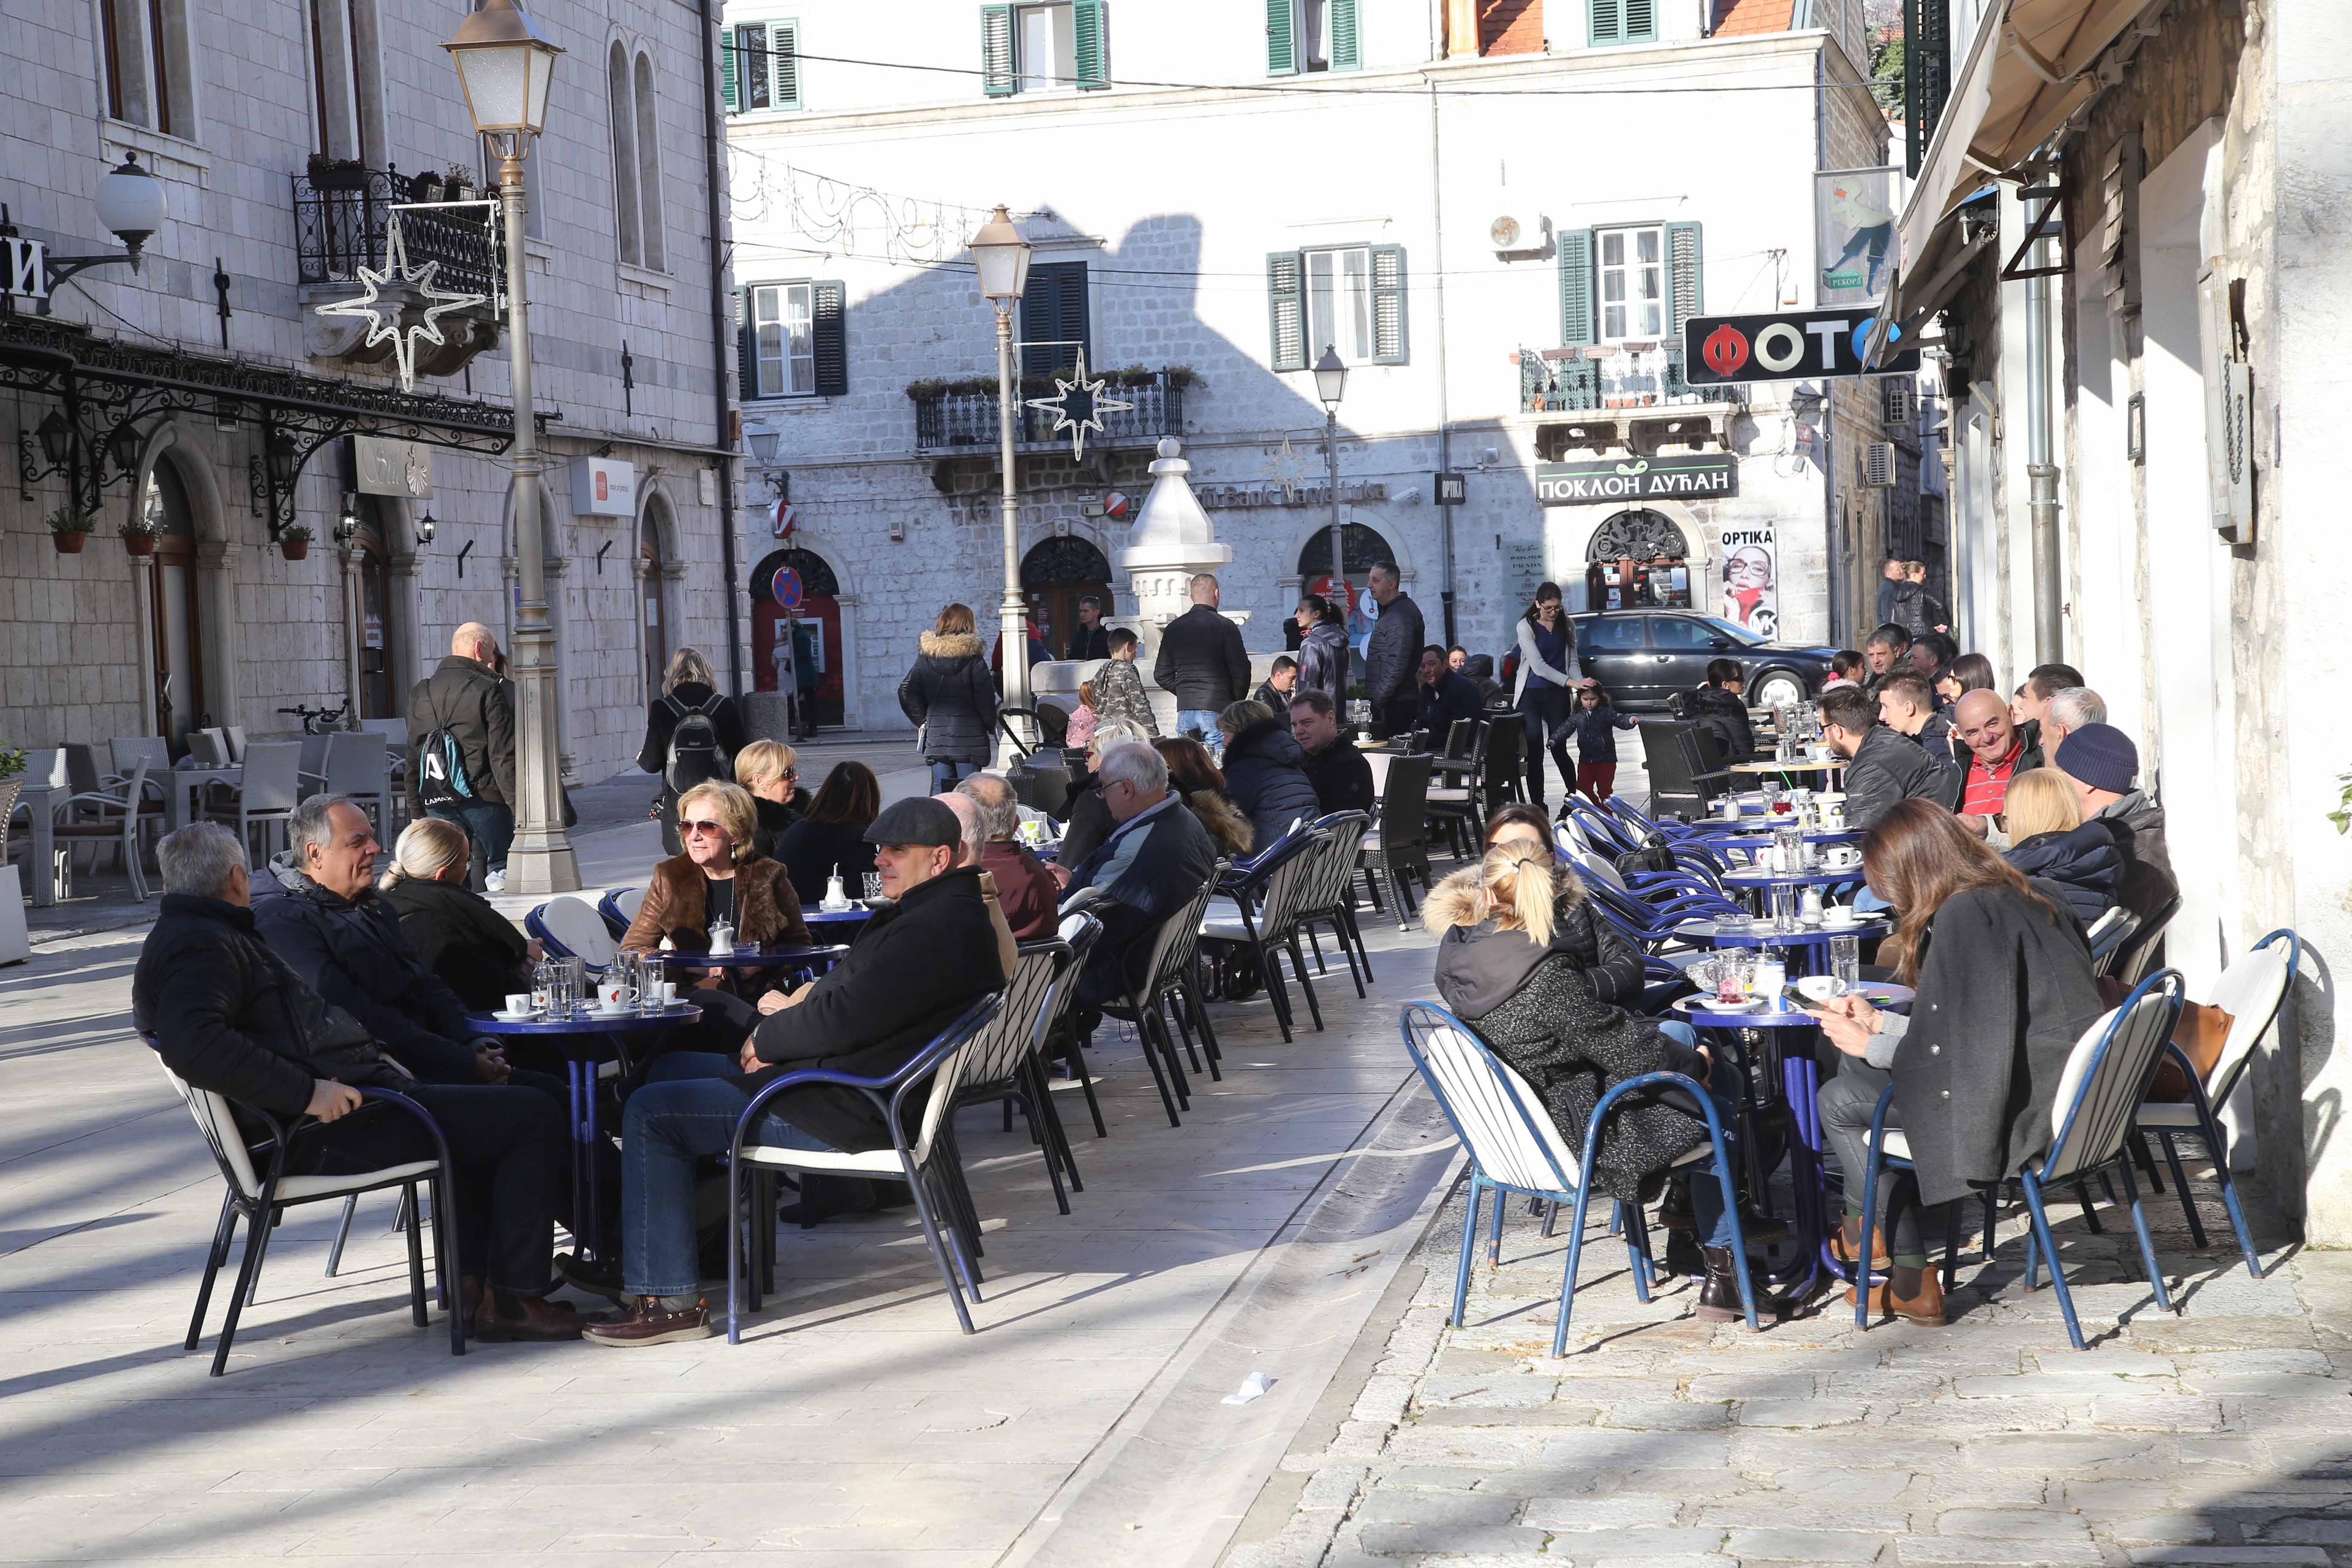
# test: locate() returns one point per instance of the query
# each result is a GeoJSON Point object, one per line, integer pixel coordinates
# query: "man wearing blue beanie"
{"type": "Point", "coordinates": [2102, 763]}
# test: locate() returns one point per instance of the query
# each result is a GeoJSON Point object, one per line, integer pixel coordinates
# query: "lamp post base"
{"type": "Point", "coordinates": [542, 868]}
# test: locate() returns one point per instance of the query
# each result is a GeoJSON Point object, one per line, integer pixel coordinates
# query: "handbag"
{"type": "Point", "coordinates": [1652, 856]}
{"type": "Point", "coordinates": [2200, 1034]}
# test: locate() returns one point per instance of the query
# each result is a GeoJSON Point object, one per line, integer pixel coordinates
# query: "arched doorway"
{"type": "Point", "coordinates": [172, 606]}
{"type": "Point", "coordinates": [1054, 576]}
{"type": "Point", "coordinates": [379, 695]}
{"type": "Point", "coordinates": [649, 600]}
{"type": "Point", "coordinates": [1362, 547]}
{"type": "Point", "coordinates": [814, 625]}
{"type": "Point", "coordinates": [1637, 558]}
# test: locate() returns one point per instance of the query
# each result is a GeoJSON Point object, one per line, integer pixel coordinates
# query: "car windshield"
{"type": "Point", "coordinates": [1733, 630]}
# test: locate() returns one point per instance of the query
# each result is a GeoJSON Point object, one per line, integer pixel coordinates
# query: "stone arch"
{"type": "Point", "coordinates": [660, 583]}
{"type": "Point", "coordinates": [212, 599]}
{"type": "Point", "coordinates": [1292, 583]}
{"type": "Point", "coordinates": [1697, 553]}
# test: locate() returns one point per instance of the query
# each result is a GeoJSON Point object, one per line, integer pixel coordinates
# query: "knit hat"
{"type": "Point", "coordinates": [921, 821]}
{"type": "Point", "coordinates": [2101, 756]}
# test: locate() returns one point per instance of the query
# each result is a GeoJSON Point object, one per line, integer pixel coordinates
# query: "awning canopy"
{"type": "Point", "coordinates": [2023, 77]}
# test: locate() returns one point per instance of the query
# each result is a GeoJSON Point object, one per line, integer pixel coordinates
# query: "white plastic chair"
{"type": "Point", "coordinates": [115, 813]}
{"type": "Point", "coordinates": [356, 766]}
{"type": "Point", "coordinates": [571, 927]}
{"type": "Point", "coordinates": [268, 792]}
{"type": "Point", "coordinates": [260, 1196]}
{"type": "Point", "coordinates": [2251, 991]}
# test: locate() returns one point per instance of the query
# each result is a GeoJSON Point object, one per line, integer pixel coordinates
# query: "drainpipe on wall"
{"type": "Point", "coordinates": [722, 330]}
{"type": "Point", "coordinates": [1444, 430]}
{"type": "Point", "coordinates": [2042, 474]}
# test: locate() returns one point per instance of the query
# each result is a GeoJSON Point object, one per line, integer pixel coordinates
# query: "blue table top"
{"type": "Point", "coordinates": [1821, 877]}
{"type": "Point", "coordinates": [855, 912]}
{"type": "Point", "coordinates": [775, 957]}
{"type": "Point", "coordinates": [1700, 1010]}
{"type": "Point", "coordinates": [1761, 934]}
{"type": "Point", "coordinates": [1761, 825]}
{"type": "Point", "coordinates": [584, 1023]}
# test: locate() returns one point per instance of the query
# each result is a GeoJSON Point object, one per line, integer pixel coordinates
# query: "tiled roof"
{"type": "Point", "coordinates": [1736, 16]}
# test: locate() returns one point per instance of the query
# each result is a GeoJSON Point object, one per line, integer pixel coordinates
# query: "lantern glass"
{"type": "Point", "coordinates": [125, 444]}
{"type": "Point", "coordinates": [504, 66]}
{"type": "Point", "coordinates": [1330, 378]}
{"type": "Point", "coordinates": [57, 437]}
{"type": "Point", "coordinates": [1000, 251]}
{"type": "Point", "coordinates": [282, 460]}
{"type": "Point", "coordinates": [131, 202]}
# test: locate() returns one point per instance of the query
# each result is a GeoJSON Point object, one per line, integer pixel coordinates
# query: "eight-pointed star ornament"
{"type": "Point", "coordinates": [397, 320]}
{"type": "Point", "coordinates": [1090, 416]}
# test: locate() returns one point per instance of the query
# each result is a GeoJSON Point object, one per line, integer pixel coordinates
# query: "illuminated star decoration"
{"type": "Point", "coordinates": [389, 320]}
{"type": "Point", "coordinates": [1097, 405]}
{"type": "Point", "coordinates": [1288, 469]}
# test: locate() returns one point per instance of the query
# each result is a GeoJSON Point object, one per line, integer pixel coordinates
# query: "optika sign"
{"type": "Point", "coordinates": [1703, 478]}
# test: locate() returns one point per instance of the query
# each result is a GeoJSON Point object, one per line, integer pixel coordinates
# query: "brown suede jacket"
{"type": "Point", "coordinates": [766, 908]}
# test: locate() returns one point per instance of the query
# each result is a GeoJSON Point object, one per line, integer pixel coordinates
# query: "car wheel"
{"type": "Point", "coordinates": [1777, 688]}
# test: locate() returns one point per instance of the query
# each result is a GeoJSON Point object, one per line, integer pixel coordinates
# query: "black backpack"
{"type": "Point", "coordinates": [441, 770]}
{"type": "Point", "coordinates": [1652, 856]}
{"type": "Point", "coordinates": [694, 754]}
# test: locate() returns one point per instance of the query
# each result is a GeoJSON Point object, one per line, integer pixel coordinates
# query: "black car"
{"type": "Point", "coordinates": [1642, 657]}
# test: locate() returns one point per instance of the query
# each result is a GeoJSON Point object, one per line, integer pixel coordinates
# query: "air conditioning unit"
{"type": "Point", "coordinates": [1878, 465]}
{"type": "Point", "coordinates": [1519, 231]}
{"type": "Point", "coordinates": [1900, 404]}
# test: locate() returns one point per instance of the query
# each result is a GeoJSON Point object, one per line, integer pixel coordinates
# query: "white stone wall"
{"type": "Point", "coordinates": [1174, 199]}
{"type": "Point", "coordinates": [68, 668]}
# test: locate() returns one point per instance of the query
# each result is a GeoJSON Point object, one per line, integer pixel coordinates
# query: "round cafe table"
{"type": "Point", "coordinates": [776, 956]}
{"type": "Point", "coordinates": [587, 1040]}
{"type": "Point", "coordinates": [1760, 933]}
{"type": "Point", "coordinates": [1755, 878]}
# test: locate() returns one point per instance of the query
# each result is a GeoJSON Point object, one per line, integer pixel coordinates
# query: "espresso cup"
{"type": "Point", "coordinates": [519, 1002]}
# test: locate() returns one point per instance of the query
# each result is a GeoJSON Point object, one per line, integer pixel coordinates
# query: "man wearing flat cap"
{"type": "Point", "coordinates": [915, 968]}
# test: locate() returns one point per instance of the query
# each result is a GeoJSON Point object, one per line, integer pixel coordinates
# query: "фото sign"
{"type": "Point", "coordinates": [1698, 477]}
{"type": "Point", "coordinates": [1807, 345]}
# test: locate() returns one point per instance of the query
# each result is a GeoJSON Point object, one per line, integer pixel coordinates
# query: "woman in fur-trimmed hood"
{"type": "Point", "coordinates": [951, 697]}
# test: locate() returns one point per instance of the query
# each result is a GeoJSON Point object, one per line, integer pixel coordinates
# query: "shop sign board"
{"type": "Point", "coordinates": [1695, 476]}
{"type": "Point", "coordinates": [1795, 346]}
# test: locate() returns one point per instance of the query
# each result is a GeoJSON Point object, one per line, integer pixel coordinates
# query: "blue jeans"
{"type": "Point", "coordinates": [1724, 1087]}
{"type": "Point", "coordinates": [688, 1107]}
{"type": "Point", "coordinates": [1865, 899]}
{"type": "Point", "coordinates": [945, 776]}
{"type": "Point", "coordinates": [491, 826]}
{"type": "Point", "coordinates": [1204, 721]}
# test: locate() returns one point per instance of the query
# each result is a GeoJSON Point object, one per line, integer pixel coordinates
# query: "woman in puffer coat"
{"type": "Point", "coordinates": [1523, 958]}
{"type": "Point", "coordinates": [2049, 839]}
{"type": "Point", "coordinates": [951, 696]}
{"type": "Point", "coordinates": [1266, 771]}
{"type": "Point", "coordinates": [1323, 651]}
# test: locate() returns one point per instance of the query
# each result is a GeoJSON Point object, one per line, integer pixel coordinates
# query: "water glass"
{"type": "Point", "coordinates": [571, 987]}
{"type": "Point", "coordinates": [543, 985]}
{"type": "Point", "coordinates": [873, 888]}
{"type": "Point", "coordinates": [1784, 906]}
{"type": "Point", "coordinates": [1845, 962]}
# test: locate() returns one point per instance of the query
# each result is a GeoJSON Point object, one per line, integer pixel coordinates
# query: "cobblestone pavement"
{"type": "Point", "coordinates": [2221, 1436]}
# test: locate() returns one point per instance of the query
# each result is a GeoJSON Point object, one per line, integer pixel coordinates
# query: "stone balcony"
{"type": "Point", "coordinates": [1615, 396]}
{"type": "Point", "coordinates": [341, 219]}
{"type": "Point", "coordinates": [959, 417]}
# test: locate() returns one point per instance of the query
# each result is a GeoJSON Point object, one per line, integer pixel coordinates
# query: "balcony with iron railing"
{"type": "Point", "coordinates": [1611, 380]}
{"type": "Point", "coordinates": [342, 221]}
{"type": "Point", "coordinates": [958, 416]}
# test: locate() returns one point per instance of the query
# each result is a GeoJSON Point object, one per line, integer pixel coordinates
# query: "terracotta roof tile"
{"type": "Point", "coordinates": [1737, 16]}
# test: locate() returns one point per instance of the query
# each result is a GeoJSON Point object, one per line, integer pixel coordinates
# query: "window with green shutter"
{"type": "Point", "coordinates": [1684, 295]}
{"type": "Point", "coordinates": [1575, 287]}
{"type": "Point", "coordinates": [784, 65]}
{"type": "Point", "coordinates": [1052, 45]}
{"type": "Point", "coordinates": [1089, 46]}
{"type": "Point", "coordinates": [729, 96]}
{"type": "Point", "coordinates": [791, 340]}
{"type": "Point", "coordinates": [759, 65]}
{"type": "Point", "coordinates": [1311, 36]}
{"type": "Point", "coordinates": [1388, 304]}
{"type": "Point", "coordinates": [996, 77]}
{"type": "Point", "coordinates": [1281, 38]}
{"type": "Point", "coordinates": [1347, 54]}
{"type": "Point", "coordinates": [1623, 22]}
{"type": "Point", "coordinates": [1349, 299]}
{"type": "Point", "coordinates": [1286, 307]}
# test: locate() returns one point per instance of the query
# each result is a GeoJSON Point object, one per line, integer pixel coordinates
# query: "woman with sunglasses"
{"type": "Point", "coordinates": [720, 877]}
{"type": "Point", "coordinates": [770, 770]}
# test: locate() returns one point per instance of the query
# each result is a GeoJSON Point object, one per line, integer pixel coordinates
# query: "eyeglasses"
{"type": "Point", "coordinates": [712, 829]}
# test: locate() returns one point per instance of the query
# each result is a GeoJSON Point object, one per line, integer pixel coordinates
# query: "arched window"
{"type": "Point", "coordinates": [649, 197]}
{"type": "Point", "coordinates": [174, 606]}
{"type": "Point", "coordinates": [1636, 557]}
{"type": "Point", "coordinates": [649, 591]}
{"type": "Point", "coordinates": [626, 222]}
{"type": "Point", "coordinates": [1054, 576]}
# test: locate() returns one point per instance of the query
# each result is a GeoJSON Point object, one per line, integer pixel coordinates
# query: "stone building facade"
{"type": "Point", "coordinates": [1191, 237]}
{"type": "Point", "coordinates": [284, 134]}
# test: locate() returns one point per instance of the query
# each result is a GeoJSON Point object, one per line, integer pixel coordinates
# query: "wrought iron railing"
{"type": "Point", "coordinates": [1556, 386]}
{"type": "Point", "coordinates": [339, 227]}
{"type": "Point", "coordinates": [948, 417]}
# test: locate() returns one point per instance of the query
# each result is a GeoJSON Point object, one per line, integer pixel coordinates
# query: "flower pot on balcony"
{"type": "Point", "coordinates": [337, 174]}
{"type": "Point", "coordinates": [139, 543]}
{"type": "Point", "coordinates": [294, 544]}
{"type": "Point", "coordinates": [68, 544]}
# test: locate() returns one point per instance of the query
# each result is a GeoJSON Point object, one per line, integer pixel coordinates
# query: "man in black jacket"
{"type": "Point", "coordinates": [1341, 777]}
{"type": "Point", "coordinates": [1447, 697]}
{"type": "Point", "coordinates": [1884, 654]}
{"type": "Point", "coordinates": [229, 1016]}
{"type": "Point", "coordinates": [1392, 653]}
{"type": "Point", "coordinates": [326, 921]}
{"type": "Point", "coordinates": [914, 969]}
{"type": "Point", "coordinates": [465, 697]}
{"type": "Point", "coordinates": [1202, 660]}
{"type": "Point", "coordinates": [1090, 639]}
{"type": "Point", "coordinates": [1720, 708]}
{"type": "Point", "coordinates": [1883, 766]}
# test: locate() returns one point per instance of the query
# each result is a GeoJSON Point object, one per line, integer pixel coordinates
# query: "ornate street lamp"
{"type": "Point", "coordinates": [1000, 253]}
{"type": "Point", "coordinates": [1330, 386]}
{"type": "Point", "coordinates": [506, 66]}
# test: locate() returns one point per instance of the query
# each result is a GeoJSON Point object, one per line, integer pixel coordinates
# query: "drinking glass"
{"type": "Point", "coordinates": [1784, 906]}
{"type": "Point", "coordinates": [873, 888]}
{"type": "Point", "coordinates": [571, 987]}
{"type": "Point", "coordinates": [1845, 962]}
{"type": "Point", "coordinates": [1731, 974]}
{"type": "Point", "coordinates": [543, 985]}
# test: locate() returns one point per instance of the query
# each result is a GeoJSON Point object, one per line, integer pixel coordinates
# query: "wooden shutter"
{"type": "Point", "coordinates": [729, 95]}
{"type": "Point", "coordinates": [751, 64]}
{"type": "Point", "coordinates": [1685, 280]}
{"type": "Point", "coordinates": [1640, 22]}
{"type": "Point", "coordinates": [746, 347]}
{"type": "Point", "coordinates": [1575, 285]}
{"type": "Point", "coordinates": [1090, 43]}
{"type": "Point", "coordinates": [1281, 38]}
{"type": "Point", "coordinates": [1388, 304]}
{"type": "Point", "coordinates": [1345, 53]}
{"type": "Point", "coordinates": [828, 335]}
{"type": "Point", "coordinates": [996, 77]}
{"type": "Point", "coordinates": [1606, 22]}
{"type": "Point", "coordinates": [785, 75]}
{"type": "Point", "coordinates": [1287, 305]}
{"type": "Point", "coordinates": [1054, 316]}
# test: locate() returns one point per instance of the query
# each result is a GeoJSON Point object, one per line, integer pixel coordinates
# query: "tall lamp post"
{"type": "Point", "coordinates": [1001, 254]}
{"type": "Point", "coordinates": [505, 65]}
{"type": "Point", "coordinates": [1330, 386]}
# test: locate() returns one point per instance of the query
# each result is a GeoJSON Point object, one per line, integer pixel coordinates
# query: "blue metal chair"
{"type": "Point", "coordinates": [1515, 1147]}
{"type": "Point", "coordinates": [618, 908]}
{"type": "Point", "coordinates": [2105, 1079]}
{"type": "Point", "coordinates": [2251, 991]}
{"type": "Point", "coordinates": [570, 928]}
{"type": "Point", "coordinates": [933, 1070]}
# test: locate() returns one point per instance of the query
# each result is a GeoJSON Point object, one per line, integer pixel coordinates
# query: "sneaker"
{"type": "Point", "coordinates": [495, 882]}
{"type": "Point", "coordinates": [644, 1321]}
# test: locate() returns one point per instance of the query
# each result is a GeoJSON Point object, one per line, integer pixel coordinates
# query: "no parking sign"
{"type": "Point", "coordinates": [785, 588]}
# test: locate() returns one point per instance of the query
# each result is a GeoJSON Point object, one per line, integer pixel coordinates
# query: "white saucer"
{"type": "Point", "coordinates": [503, 1016]}
{"type": "Point", "coordinates": [1745, 1005]}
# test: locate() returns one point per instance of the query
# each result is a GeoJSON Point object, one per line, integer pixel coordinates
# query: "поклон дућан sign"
{"type": "Point", "coordinates": [1695, 477]}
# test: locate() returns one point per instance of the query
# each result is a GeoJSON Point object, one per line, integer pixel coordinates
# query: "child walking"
{"type": "Point", "coordinates": [1596, 742]}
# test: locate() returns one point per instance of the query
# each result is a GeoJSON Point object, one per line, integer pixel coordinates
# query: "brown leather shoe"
{"type": "Point", "coordinates": [1848, 1241]}
{"type": "Point", "coordinates": [1915, 1295]}
{"type": "Point", "coordinates": [646, 1322]}
{"type": "Point", "coordinates": [534, 1319]}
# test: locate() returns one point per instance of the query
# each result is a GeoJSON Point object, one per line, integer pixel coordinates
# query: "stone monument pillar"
{"type": "Point", "coordinates": [1172, 540]}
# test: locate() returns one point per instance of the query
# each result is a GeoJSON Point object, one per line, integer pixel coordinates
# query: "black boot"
{"type": "Point", "coordinates": [1719, 1293]}
{"type": "Point", "coordinates": [1682, 1258]}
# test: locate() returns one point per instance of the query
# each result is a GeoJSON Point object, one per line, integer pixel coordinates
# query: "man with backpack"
{"type": "Point", "coordinates": [461, 738]}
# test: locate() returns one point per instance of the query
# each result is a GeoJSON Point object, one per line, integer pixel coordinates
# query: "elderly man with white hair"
{"type": "Point", "coordinates": [1152, 864]}
{"type": "Point", "coordinates": [461, 730]}
{"type": "Point", "coordinates": [2073, 708]}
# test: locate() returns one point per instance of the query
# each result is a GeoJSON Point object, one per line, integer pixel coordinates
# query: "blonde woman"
{"type": "Point", "coordinates": [2049, 839]}
{"type": "Point", "coordinates": [950, 696]}
{"type": "Point", "coordinates": [720, 877]}
{"type": "Point", "coordinates": [1522, 958]}
{"type": "Point", "coordinates": [770, 770]}
{"type": "Point", "coordinates": [689, 689]}
{"type": "Point", "coordinates": [475, 951]}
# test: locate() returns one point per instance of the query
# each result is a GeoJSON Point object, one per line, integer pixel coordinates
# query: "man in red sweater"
{"type": "Point", "coordinates": [1997, 753]}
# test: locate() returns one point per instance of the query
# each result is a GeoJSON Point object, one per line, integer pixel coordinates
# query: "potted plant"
{"type": "Point", "coordinates": [139, 531]}
{"type": "Point", "coordinates": [69, 529]}
{"type": "Point", "coordinates": [336, 174]}
{"type": "Point", "coordinates": [458, 185]}
{"type": "Point", "coordinates": [920, 390]}
{"type": "Point", "coordinates": [295, 542]}
{"type": "Point", "coordinates": [425, 187]}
